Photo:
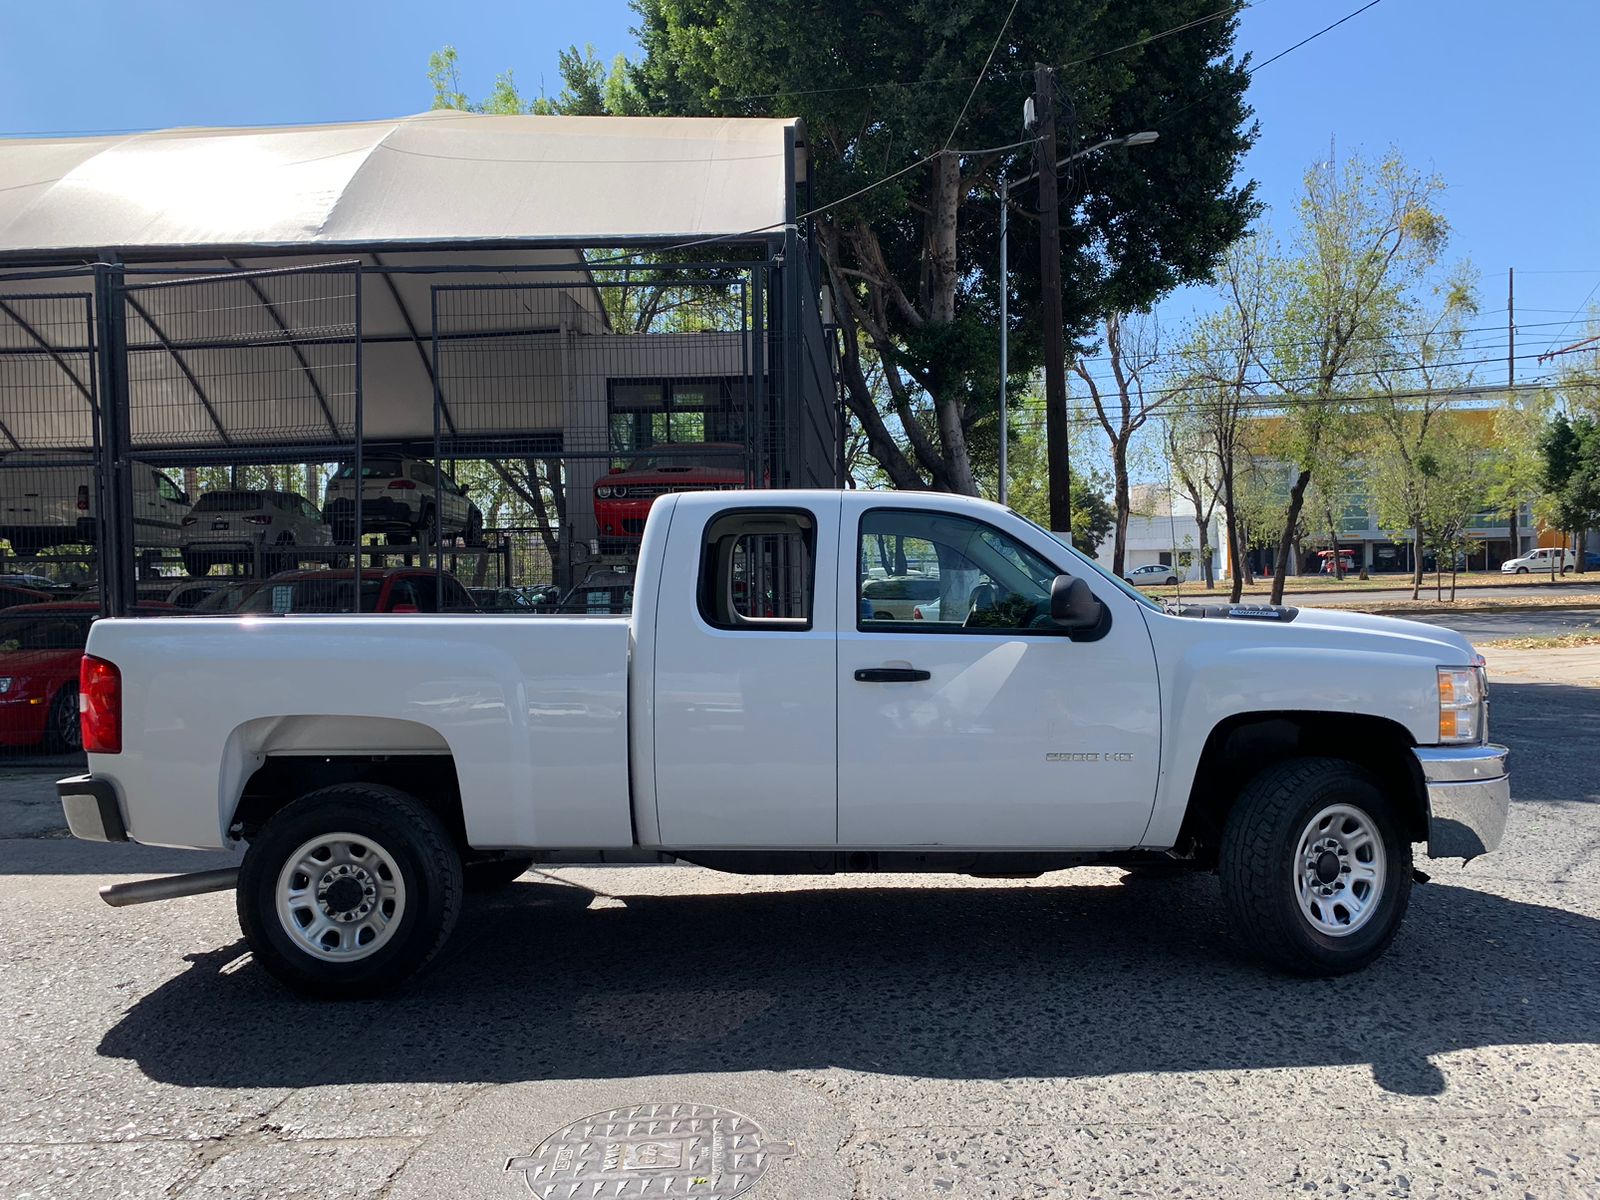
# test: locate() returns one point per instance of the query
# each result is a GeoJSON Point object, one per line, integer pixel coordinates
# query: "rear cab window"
{"type": "Point", "coordinates": [758, 570]}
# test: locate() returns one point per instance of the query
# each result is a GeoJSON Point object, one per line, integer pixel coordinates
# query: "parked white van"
{"type": "Point", "coordinates": [47, 498]}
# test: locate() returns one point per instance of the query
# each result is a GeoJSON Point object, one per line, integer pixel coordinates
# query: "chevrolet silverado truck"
{"type": "Point", "coordinates": [753, 715]}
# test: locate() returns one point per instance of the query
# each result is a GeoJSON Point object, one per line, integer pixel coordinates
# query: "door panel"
{"type": "Point", "coordinates": [744, 710]}
{"type": "Point", "coordinates": [1018, 737]}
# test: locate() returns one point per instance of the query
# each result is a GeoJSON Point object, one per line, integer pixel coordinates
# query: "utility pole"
{"type": "Point", "coordinates": [1057, 451]}
{"type": "Point", "coordinates": [1512, 530]}
{"type": "Point", "coordinates": [1005, 286]}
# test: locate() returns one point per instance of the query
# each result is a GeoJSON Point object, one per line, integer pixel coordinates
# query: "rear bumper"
{"type": "Point", "coordinates": [1469, 795]}
{"type": "Point", "coordinates": [379, 514]}
{"type": "Point", "coordinates": [93, 811]}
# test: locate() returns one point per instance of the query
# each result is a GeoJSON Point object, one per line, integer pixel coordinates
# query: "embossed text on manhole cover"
{"type": "Point", "coordinates": [656, 1150]}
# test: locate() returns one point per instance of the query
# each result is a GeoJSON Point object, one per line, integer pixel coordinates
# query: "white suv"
{"type": "Point", "coordinates": [404, 498]}
{"type": "Point", "coordinates": [1541, 560]}
{"type": "Point", "coordinates": [228, 526]}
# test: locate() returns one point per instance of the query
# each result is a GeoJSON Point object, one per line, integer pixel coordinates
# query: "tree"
{"type": "Point", "coordinates": [1572, 475]}
{"type": "Point", "coordinates": [1123, 408]}
{"type": "Point", "coordinates": [911, 260]}
{"type": "Point", "coordinates": [1366, 236]}
{"type": "Point", "coordinates": [1092, 517]}
{"type": "Point", "coordinates": [1218, 374]}
{"type": "Point", "coordinates": [1186, 438]}
{"type": "Point", "coordinates": [1415, 373]}
{"type": "Point", "coordinates": [1518, 473]}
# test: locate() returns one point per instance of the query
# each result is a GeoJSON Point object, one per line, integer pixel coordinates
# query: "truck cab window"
{"type": "Point", "coordinates": [757, 570]}
{"type": "Point", "coordinates": [926, 572]}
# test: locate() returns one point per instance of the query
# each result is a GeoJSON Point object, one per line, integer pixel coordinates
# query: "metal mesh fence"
{"type": "Point", "coordinates": [50, 488]}
{"type": "Point", "coordinates": [262, 431]}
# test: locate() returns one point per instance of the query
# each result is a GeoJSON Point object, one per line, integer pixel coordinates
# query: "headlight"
{"type": "Point", "coordinates": [621, 493]}
{"type": "Point", "coordinates": [603, 492]}
{"type": "Point", "coordinates": [5, 684]}
{"type": "Point", "coordinates": [1461, 695]}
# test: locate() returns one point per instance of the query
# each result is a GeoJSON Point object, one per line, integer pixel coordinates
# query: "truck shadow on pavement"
{"type": "Point", "coordinates": [954, 982]}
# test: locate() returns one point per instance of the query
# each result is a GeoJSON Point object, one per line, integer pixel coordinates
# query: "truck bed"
{"type": "Point", "coordinates": [533, 711]}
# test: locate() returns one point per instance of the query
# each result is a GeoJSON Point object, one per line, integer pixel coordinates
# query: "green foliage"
{"type": "Point", "coordinates": [589, 88]}
{"type": "Point", "coordinates": [1571, 451]}
{"type": "Point", "coordinates": [913, 262]}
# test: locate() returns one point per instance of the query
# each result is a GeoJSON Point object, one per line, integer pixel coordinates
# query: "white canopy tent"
{"type": "Point", "coordinates": [249, 353]}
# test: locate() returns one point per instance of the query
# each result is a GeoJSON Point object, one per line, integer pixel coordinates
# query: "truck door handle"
{"type": "Point", "coordinates": [892, 675]}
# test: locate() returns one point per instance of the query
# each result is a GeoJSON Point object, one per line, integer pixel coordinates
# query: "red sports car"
{"type": "Point", "coordinates": [623, 498]}
{"type": "Point", "coordinates": [40, 649]}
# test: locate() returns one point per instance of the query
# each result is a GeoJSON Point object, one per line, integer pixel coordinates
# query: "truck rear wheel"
{"type": "Point", "coordinates": [349, 891]}
{"type": "Point", "coordinates": [1315, 867]}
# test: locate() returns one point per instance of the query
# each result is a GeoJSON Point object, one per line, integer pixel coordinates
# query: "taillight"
{"type": "Point", "coordinates": [83, 497]}
{"type": "Point", "coordinates": [260, 519]}
{"type": "Point", "coordinates": [402, 485]}
{"type": "Point", "coordinates": [100, 705]}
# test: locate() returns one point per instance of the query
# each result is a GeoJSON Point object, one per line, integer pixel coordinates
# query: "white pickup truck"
{"type": "Point", "coordinates": [754, 715]}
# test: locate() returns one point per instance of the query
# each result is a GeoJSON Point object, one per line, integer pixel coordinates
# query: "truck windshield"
{"type": "Point", "coordinates": [1080, 557]}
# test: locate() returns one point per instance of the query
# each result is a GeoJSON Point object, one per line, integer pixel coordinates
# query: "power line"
{"type": "Point", "coordinates": [982, 71]}
{"type": "Point", "coordinates": [1303, 41]}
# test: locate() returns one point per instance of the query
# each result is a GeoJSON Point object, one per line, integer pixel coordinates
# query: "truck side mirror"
{"type": "Point", "coordinates": [1072, 604]}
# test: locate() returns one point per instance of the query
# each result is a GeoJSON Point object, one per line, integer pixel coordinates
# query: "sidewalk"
{"type": "Point", "coordinates": [1575, 666]}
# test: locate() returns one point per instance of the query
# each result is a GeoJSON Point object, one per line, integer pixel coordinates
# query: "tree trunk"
{"type": "Point", "coordinates": [1416, 563]}
{"type": "Point", "coordinates": [1122, 501]}
{"type": "Point", "coordinates": [1515, 533]}
{"type": "Point", "coordinates": [1230, 521]}
{"type": "Point", "coordinates": [1297, 498]}
{"type": "Point", "coordinates": [1205, 553]}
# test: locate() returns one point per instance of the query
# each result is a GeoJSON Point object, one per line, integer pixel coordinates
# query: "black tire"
{"type": "Point", "coordinates": [196, 564]}
{"type": "Point", "coordinates": [1259, 868]}
{"type": "Point", "coordinates": [1521, 570]}
{"type": "Point", "coordinates": [423, 534]}
{"type": "Point", "coordinates": [63, 735]}
{"type": "Point", "coordinates": [474, 533]}
{"type": "Point", "coordinates": [492, 874]}
{"type": "Point", "coordinates": [402, 827]}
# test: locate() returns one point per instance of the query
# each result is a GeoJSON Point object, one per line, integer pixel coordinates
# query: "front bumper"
{"type": "Point", "coordinates": [1469, 795]}
{"type": "Point", "coordinates": [93, 813]}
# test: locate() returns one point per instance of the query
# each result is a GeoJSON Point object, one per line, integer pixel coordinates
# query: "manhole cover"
{"type": "Point", "coordinates": [655, 1150]}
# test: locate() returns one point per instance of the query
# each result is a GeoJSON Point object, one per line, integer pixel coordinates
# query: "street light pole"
{"type": "Point", "coordinates": [1057, 453]}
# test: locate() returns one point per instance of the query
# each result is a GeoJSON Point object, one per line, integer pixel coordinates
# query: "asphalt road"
{"type": "Point", "coordinates": [910, 1037]}
{"type": "Point", "coordinates": [1485, 627]}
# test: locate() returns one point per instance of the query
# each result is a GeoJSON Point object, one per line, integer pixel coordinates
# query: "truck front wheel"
{"type": "Point", "coordinates": [1315, 867]}
{"type": "Point", "coordinates": [349, 891]}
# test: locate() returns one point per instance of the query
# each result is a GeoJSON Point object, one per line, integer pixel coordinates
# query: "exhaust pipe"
{"type": "Point", "coordinates": [169, 887]}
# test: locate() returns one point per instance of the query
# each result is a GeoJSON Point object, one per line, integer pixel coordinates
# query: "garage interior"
{"type": "Point", "coordinates": [535, 304]}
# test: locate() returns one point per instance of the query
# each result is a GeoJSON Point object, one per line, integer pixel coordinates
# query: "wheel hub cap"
{"type": "Point", "coordinates": [340, 897]}
{"type": "Point", "coordinates": [1340, 868]}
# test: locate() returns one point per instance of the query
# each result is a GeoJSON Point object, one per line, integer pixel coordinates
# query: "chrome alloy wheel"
{"type": "Point", "coordinates": [1339, 870]}
{"type": "Point", "coordinates": [340, 897]}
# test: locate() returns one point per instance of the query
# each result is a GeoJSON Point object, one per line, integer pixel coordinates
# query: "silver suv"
{"type": "Point", "coordinates": [404, 498]}
{"type": "Point", "coordinates": [232, 526]}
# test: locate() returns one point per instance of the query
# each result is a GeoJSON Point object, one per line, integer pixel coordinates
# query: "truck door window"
{"type": "Point", "coordinates": [925, 572]}
{"type": "Point", "coordinates": [757, 570]}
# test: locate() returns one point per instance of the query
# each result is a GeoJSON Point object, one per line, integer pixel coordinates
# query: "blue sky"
{"type": "Point", "coordinates": [1498, 100]}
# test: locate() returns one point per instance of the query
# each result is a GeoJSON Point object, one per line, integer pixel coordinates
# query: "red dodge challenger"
{"type": "Point", "coordinates": [623, 498]}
